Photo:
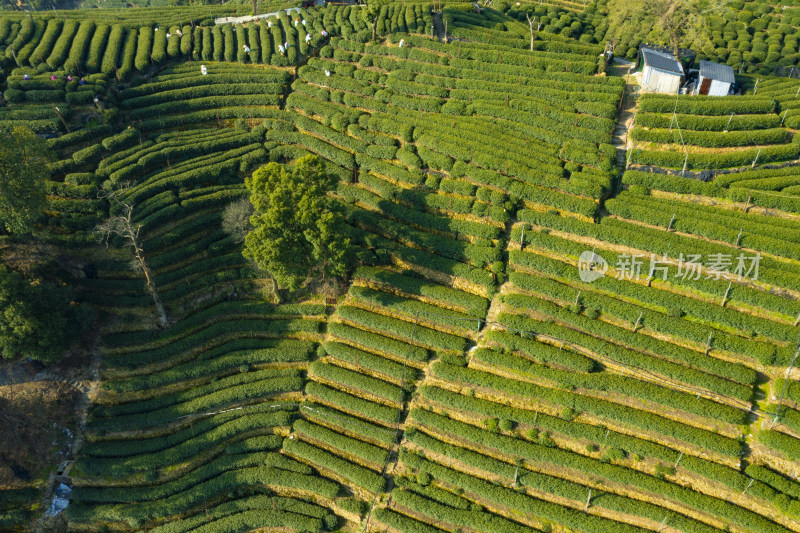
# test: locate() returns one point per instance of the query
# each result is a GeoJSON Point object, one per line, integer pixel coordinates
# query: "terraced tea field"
{"type": "Point", "coordinates": [475, 374]}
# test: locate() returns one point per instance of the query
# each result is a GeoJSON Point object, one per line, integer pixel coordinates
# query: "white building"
{"type": "Point", "coordinates": [661, 72]}
{"type": "Point", "coordinates": [715, 79]}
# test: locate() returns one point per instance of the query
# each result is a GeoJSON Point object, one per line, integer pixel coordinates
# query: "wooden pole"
{"type": "Point", "coordinates": [756, 159]}
{"type": "Point", "coordinates": [725, 297]}
{"type": "Point", "coordinates": [679, 460]}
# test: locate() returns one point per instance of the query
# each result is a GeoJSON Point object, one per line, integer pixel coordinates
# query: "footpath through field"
{"type": "Point", "coordinates": [626, 113]}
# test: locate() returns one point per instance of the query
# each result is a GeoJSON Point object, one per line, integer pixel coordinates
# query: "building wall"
{"type": "Point", "coordinates": [717, 88]}
{"type": "Point", "coordinates": [656, 81]}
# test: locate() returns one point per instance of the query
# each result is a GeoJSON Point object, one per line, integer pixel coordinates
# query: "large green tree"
{"type": "Point", "coordinates": [23, 171]}
{"type": "Point", "coordinates": [674, 23]}
{"type": "Point", "coordinates": [370, 11]}
{"type": "Point", "coordinates": [38, 319]}
{"type": "Point", "coordinates": [298, 230]}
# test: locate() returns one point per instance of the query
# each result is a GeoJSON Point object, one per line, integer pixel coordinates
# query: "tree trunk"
{"type": "Point", "coordinates": [530, 23]}
{"type": "Point", "coordinates": [275, 289]}
{"type": "Point", "coordinates": [151, 286]}
{"type": "Point", "coordinates": [255, 7]}
{"type": "Point", "coordinates": [374, 27]}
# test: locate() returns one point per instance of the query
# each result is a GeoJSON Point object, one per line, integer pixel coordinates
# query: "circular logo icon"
{"type": "Point", "coordinates": [591, 266]}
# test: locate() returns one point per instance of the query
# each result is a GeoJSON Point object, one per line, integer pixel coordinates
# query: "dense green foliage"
{"type": "Point", "coordinates": [297, 230]}
{"type": "Point", "coordinates": [39, 319]}
{"type": "Point", "coordinates": [23, 160]}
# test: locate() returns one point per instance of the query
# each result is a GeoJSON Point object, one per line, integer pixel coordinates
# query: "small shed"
{"type": "Point", "coordinates": [715, 79]}
{"type": "Point", "coordinates": [661, 72]}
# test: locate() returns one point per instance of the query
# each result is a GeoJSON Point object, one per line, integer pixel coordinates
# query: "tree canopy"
{"type": "Point", "coordinates": [297, 228]}
{"type": "Point", "coordinates": [38, 319]}
{"type": "Point", "coordinates": [23, 171]}
{"type": "Point", "coordinates": [675, 23]}
{"type": "Point", "coordinates": [370, 12]}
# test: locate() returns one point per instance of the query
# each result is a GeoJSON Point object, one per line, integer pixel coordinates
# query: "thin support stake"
{"type": "Point", "coordinates": [660, 527]}
{"type": "Point", "coordinates": [729, 122]}
{"type": "Point", "coordinates": [588, 499]}
{"type": "Point", "coordinates": [708, 342]}
{"type": "Point", "coordinates": [786, 381]}
{"type": "Point", "coordinates": [756, 159]}
{"type": "Point", "coordinates": [725, 297]}
{"type": "Point", "coordinates": [738, 238]}
{"type": "Point", "coordinates": [748, 486]}
{"type": "Point", "coordinates": [679, 460]}
{"type": "Point", "coordinates": [637, 322]}
{"type": "Point", "coordinates": [669, 227]}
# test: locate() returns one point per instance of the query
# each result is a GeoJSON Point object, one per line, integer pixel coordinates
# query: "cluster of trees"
{"type": "Point", "coordinates": [39, 316]}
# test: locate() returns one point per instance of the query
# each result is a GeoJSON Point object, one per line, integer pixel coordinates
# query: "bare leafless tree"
{"type": "Point", "coordinates": [123, 226]}
{"type": "Point", "coordinates": [530, 24]}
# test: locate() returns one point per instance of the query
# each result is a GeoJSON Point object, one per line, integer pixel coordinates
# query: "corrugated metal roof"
{"type": "Point", "coordinates": [718, 72]}
{"type": "Point", "coordinates": [661, 61]}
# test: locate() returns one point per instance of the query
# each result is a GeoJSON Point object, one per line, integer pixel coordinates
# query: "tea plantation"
{"type": "Point", "coordinates": [470, 377]}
